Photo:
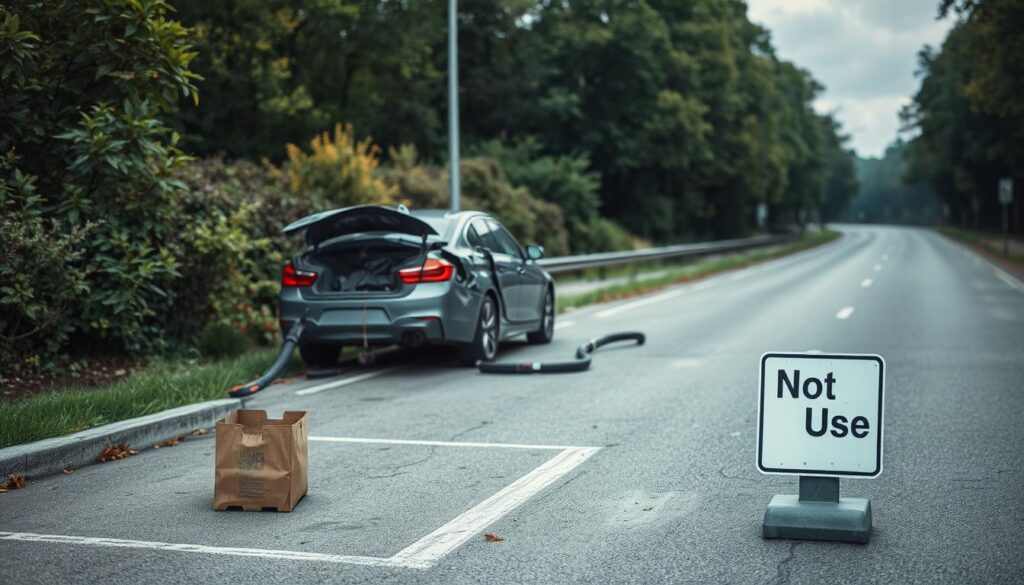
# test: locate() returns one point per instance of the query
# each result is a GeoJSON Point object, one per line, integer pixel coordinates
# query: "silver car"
{"type": "Point", "coordinates": [373, 275]}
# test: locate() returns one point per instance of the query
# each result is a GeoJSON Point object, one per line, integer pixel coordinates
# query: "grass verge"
{"type": "Point", "coordinates": [985, 242]}
{"type": "Point", "coordinates": [158, 388]}
{"type": "Point", "coordinates": [695, 270]}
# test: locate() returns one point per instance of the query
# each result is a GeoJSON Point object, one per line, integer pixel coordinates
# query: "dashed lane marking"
{"type": "Point", "coordinates": [866, 282]}
{"type": "Point", "coordinates": [844, 313]}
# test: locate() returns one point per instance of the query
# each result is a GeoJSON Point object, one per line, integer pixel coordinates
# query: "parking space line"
{"type": "Point", "coordinates": [215, 550]}
{"type": "Point", "coordinates": [344, 381]}
{"type": "Point", "coordinates": [432, 547]}
{"type": "Point", "coordinates": [430, 443]}
{"type": "Point", "coordinates": [422, 554]}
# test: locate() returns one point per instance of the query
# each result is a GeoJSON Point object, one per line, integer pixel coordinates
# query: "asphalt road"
{"type": "Point", "coordinates": [670, 492]}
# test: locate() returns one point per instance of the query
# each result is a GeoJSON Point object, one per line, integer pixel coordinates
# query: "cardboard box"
{"type": "Point", "coordinates": [261, 463]}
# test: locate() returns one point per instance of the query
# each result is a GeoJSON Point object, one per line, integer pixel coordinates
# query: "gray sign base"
{"type": "Point", "coordinates": [818, 513]}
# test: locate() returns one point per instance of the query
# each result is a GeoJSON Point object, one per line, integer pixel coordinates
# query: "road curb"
{"type": "Point", "coordinates": [51, 456]}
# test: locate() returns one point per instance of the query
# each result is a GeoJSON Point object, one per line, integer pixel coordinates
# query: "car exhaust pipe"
{"type": "Point", "coordinates": [414, 338]}
{"type": "Point", "coordinates": [291, 339]}
{"type": "Point", "coordinates": [581, 363]}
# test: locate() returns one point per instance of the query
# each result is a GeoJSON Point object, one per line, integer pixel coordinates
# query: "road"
{"type": "Point", "coordinates": [667, 491]}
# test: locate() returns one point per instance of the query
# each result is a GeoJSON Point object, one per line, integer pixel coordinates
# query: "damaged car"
{"type": "Point", "coordinates": [372, 275]}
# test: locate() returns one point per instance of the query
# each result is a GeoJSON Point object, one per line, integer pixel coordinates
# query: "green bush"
{"type": "Point", "coordinates": [221, 340]}
{"type": "Point", "coordinates": [84, 84]}
{"type": "Point", "coordinates": [41, 282]}
{"type": "Point", "coordinates": [566, 182]}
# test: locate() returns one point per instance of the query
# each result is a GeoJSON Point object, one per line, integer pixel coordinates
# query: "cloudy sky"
{"type": "Point", "coordinates": [863, 51]}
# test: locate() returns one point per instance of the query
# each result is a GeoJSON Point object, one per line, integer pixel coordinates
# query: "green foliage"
{"type": "Point", "coordinates": [41, 281]}
{"type": "Point", "coordinates": [970, 114]}
{"type": "Point", "coordinates": [221, 340]}
{"type": "Point", "coordinates": [680, 111]}
{"type": "Point", "coordinates": [885, 196]}
{"type": "Point", "coordinates": [83, 85]}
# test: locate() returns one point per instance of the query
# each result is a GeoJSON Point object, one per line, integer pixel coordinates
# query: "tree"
{"type": "Point", "coordinates": [84, 152]}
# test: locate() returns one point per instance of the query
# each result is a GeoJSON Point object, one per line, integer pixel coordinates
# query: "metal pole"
{"type": "Point", "coordinates": [453, 105]}
{"type": "Point", "coordinates": [1006, 230]}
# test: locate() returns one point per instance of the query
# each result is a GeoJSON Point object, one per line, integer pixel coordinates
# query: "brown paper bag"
{"type": "Point", "coordinates": [261, 463]}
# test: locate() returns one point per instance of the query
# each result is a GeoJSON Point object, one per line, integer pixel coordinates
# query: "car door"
{"type": "Point", "coordinates": [531, 279]}
{"type": "Point", "coordinates": [481, 233]}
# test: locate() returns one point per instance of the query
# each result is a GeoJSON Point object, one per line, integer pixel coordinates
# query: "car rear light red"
{"type": "Point", "coordinates": [293, 277]}
{"type": "Point", "coordinates": [433, 270]}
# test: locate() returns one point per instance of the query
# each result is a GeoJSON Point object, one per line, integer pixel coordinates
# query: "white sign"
{"type": "Point", "coordinates": [820, 414]}
{"type": "Point", "coordinates": [1006, 191]}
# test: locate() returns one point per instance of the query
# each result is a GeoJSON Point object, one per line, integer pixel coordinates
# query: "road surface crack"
{"type": "Point", "coordinates": [782, 570]}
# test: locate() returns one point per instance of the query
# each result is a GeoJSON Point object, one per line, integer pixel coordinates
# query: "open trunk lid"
{"type": "Point", "coordinates": [325, 225]}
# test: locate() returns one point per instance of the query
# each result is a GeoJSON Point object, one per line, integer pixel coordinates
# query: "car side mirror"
{"type": "Point", "coordinates": [535, 252]}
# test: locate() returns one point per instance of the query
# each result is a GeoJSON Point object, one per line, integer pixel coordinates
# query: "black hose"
{"type": "Point", "coordinates": [290, 341]}
{"type": "Point", "coordinates": [581, 363]}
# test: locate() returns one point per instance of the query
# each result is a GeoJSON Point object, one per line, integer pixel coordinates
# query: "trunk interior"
{"type": "Point", "coordinates": [361, 266]}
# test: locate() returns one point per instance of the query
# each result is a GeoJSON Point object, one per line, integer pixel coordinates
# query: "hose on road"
{"type": "Point", "coordinates": [291, 339]}
{"type": "Point", "coordinates": [581, 363]}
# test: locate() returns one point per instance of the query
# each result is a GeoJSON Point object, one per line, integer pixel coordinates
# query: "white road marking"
{"type": "Point", "coordinates": [844, 313]}
{"type": "Point", "coordinates": [429, 443]}
{"type": "Point", "coordinates": [212, 550]}
{"type": "Point", "coordinates": [564, 324]}
{"type": "Point", "coordinates": [422, 554]}
{"type": "Point", "coordinates": [686, 362]}
{"type": "Point", "coordinates": [641, 303]}
{"type": "Point", "coordinates": [878, 267]}
{"type": "Point", "coordinates": [432, 547]}
{"type": "Point", "coordinates": [344, 381]}
{"type": "Point", "coordinates": [1013, 282]}
{"type": "Point", "coordinates": [866, 282]}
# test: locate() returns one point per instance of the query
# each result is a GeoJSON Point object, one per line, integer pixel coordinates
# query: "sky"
{"type": "Point", "coordinates": [863, 51]}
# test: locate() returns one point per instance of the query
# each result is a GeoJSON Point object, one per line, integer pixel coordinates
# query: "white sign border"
{"type": "Point", "coordinates": [816, 355]}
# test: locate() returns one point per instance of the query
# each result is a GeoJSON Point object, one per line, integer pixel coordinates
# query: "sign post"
{"type": "Point", "coordinates": [1006, 197]}
{"type": "Point", "coordinates": [820, 418]}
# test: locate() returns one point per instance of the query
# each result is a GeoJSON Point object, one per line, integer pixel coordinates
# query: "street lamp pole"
{"type": "Point", "coordinates": [453, 105]}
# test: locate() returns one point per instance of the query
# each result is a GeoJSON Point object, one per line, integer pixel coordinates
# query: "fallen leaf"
{"type": "Point", "coordinates": [171, 442]}
{"type": "Point", "coordinates": [492, 537]}
{"type": "Point", "coordinates": [114, 452]}
{"type": "Point", "coordinates": [14, 482]}
{"type": "Point", "coordinates": [199, 432]}
{"type": "Point", "coordinates": [70, 469]}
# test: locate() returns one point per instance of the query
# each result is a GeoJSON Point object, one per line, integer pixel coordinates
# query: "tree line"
{"type": "Point", "coordinates": [968, 115]}
{"type": "Point", "coordinates": [680, 108]}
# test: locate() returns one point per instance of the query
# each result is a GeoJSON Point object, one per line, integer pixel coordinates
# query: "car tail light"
{"type": "Point", "coordinates": [433, 270]}
{"type": "Point", "coordinates": [293, 277]}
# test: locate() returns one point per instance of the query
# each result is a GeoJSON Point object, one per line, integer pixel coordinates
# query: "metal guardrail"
{"type": "Point", "coordinates": [603, 259]}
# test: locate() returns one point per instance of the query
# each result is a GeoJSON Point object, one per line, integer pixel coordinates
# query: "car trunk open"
{"type": "Point", "coordinates": [361, 265]}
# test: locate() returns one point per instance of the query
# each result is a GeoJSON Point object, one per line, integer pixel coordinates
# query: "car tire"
{"type": "Point", "coordinates": [320, 355]}
{"type": "Point", "coordinates": [484, 346]}
{"type": "Point", "coordinates": [547, 322]}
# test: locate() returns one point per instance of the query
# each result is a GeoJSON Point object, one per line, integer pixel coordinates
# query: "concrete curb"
{"type": "Point", "coordinates": [51, 456]}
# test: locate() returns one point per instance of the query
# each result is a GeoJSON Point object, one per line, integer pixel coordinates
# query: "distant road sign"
{"type": "Point", "coordinates": [820, 414]}
{"type": "Point", "coordinates": [1006, 191]}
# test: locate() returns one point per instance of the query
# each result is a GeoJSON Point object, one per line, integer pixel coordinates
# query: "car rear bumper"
{"type": "Point", "coordinates": [433, 312]}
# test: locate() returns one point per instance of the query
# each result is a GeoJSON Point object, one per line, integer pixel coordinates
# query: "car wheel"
{"type": "Point", "coordinates": [547, 322]}
{"type": "Point", "coordinates": [484, 346]}
{"type": "Point", "coordinates": [320, 355]}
